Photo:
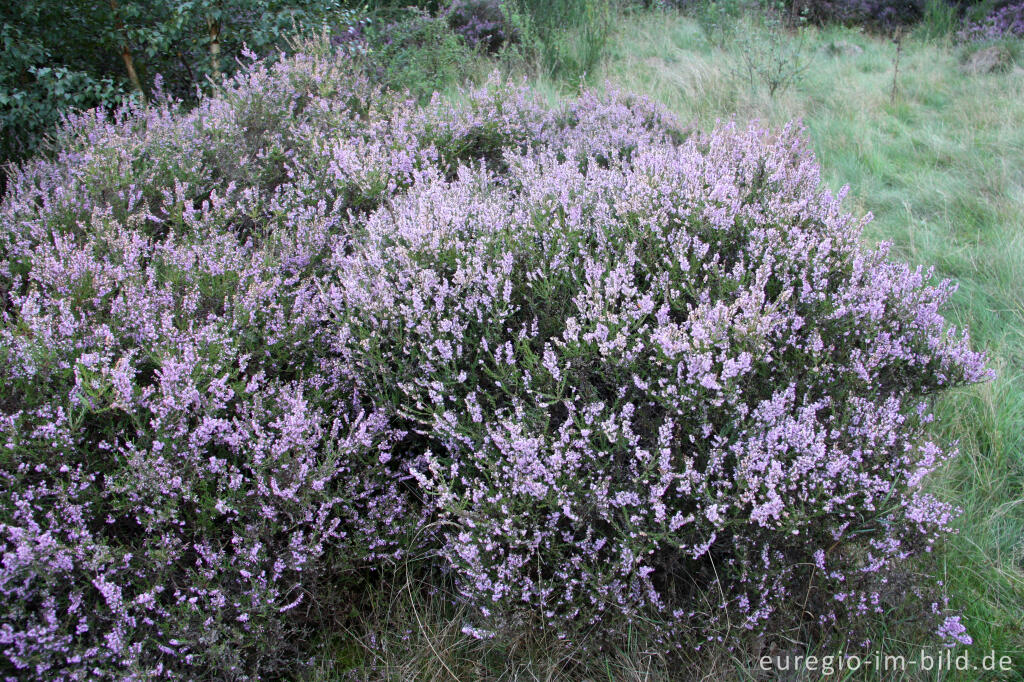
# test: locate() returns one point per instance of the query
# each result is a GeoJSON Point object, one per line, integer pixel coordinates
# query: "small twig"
{"type": "Point", "coordinates": [898, 39]}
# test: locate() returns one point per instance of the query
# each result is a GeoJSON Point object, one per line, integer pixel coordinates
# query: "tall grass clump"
{"type": "Point", "coordinates": [940, 19]}
{"type": "Point", "coordinates": [567, 38]}
{"type": "Point", "coordinates": [598, 373]}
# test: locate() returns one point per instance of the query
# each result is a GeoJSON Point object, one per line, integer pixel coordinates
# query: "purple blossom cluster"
{"type": "Point", "coordinates": [1004, 22]}
{"type": "Point", "coordinates": [483, 23]}
{"type": "Point", "coordinates": [597, 368]}
{"type": "Point", "coordinates": [881, 15]}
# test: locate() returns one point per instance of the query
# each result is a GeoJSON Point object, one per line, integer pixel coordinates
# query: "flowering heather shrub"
{"type": "Point", "coordinates": [883, 15]}
{"type": "Point", "coordinates": [481, 22]}
{"type": "Point", "coordinates": [1005, 22]}
{"type": "Point", "coordinates": [188, 475]}
{"type": "Point", "coordinates": [670, 383]}
{"type": "Point", "coordinates": [598, 369]}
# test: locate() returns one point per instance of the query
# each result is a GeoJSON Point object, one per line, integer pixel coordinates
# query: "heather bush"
{"type": "Point", "coordinates": [880, 15]}
{"type": "Point", "coordinates": [188, 481]}
{"type": "Point", "coordinates": [664, 384]}
{"type": "Point", "coordinates": [593, 368]}
{"type": "Point", "coordinates": [1005, 22]}
{"type": "Point", "coordinates": [481, 22]}
{"type": "Point", "coordinates": [718, 18]}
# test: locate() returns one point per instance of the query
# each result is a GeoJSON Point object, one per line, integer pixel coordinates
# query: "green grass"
{"type": "Point", "coordinates": [939, 161]}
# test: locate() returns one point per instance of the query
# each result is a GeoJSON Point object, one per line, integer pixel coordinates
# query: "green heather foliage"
{"type": "Point", "coordinates": [599, 372]}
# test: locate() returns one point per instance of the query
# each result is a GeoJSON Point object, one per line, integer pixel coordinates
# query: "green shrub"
{"type": "Point", "coordinates": [417, 52]}
{"type": "Point", "coordinates": [35, 90]}
{"type": "Point", "coordinates": [567, 37]}
{"type": "Point", "coordinates": [763, 59]}
{"type": "Point", "coordinates": [718, 18]}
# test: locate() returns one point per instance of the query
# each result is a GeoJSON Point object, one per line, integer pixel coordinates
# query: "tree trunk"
{"type": "Point", "coordinates": [129, 66]}
{"type": "Point", "coordinates": [214, 28]}
{"type": "Point", "coordinates": [126, 53]}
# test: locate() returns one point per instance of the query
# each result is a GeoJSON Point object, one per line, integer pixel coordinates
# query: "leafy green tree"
{"type": "Point", "coordinates": [59, 55]}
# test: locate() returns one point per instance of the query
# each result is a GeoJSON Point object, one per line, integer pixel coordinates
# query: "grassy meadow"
{"type": "Point", "coordinates": [938, 159]}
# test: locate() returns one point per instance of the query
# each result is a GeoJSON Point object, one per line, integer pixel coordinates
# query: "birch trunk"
{"type": "Point", "coordinates": [214, 28]}
{"type": "Point", "coordinates": [126, 53]}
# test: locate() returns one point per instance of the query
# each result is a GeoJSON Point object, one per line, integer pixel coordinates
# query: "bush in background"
{"type": "Point", "coordinates": [879, 15]}
{"type": "Point", "coordinates": [1005, 22]}
{"type": "Point", "coordinates": [61, 56]}
{"type": "Point", "coordinates": [719, 19]}
{"type": "Point", "coordinates": [417, 52]}
{"type": "Point", "coordinates": [482, 23]}
{"type": "Point", "coordinates": [567, 38]}
{"type": "Point", "coordinates": [34, 92]}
